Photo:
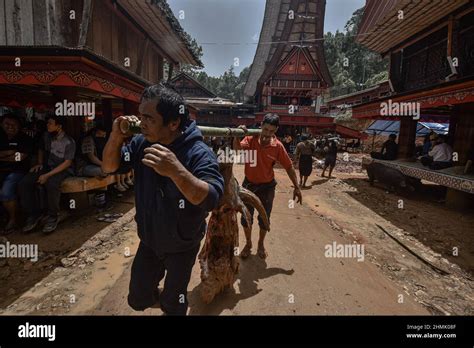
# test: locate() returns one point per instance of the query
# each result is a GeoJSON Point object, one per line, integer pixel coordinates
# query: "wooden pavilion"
{"type": "Point", "coordinates": [430, 45]}
{"type": "Point", "coordinates": [83, 51]}
{"type": "Point", "coordinates": [103, 52]}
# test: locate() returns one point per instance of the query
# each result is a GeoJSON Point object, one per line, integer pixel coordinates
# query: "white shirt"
{"type": "Point", "coordinates": [441, 153]}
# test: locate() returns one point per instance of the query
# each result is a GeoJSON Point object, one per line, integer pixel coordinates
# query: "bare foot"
{"type": "Point", "coordinates": [246, 251]}
{"type": "Point", "coordinates": [262, 253]}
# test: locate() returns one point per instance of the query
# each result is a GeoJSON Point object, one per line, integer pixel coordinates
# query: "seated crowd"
{"type": "Point", "coordinates": [32, 170]}
{"type": "Point", "coordinates": [435, 153]}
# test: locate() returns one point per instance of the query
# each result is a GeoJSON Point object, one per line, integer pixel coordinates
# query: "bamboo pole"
{"type": "Point", "coordinates": [133, 127]}
{"type": "Point", "coordinates": [227, 132]}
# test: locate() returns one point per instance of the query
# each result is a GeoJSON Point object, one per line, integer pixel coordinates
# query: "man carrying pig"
{"type": "Point", "coordinates": [260, 179]}
{"type": "Point", "coordinates": [177, 182]}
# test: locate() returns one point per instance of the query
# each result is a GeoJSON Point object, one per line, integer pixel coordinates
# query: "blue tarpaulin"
{"type": "Point", "coordinates": [381, 127]}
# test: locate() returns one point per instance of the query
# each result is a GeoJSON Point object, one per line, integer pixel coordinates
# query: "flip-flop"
{"type": "Point", "coordinates": [8, 230]}
{"type": "Point", "coordinates": [105, 219]}
{"type": "Point", "coordinates": [116, 215]}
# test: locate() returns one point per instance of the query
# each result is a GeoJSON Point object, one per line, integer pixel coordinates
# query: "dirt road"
{"type": "Point", "coordinates": [296, 279]}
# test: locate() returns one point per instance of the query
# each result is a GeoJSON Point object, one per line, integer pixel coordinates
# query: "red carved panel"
{"type": "Point", "coordinates": [68, 78]}
{"type": "Point", "coordinates": [297, 64]}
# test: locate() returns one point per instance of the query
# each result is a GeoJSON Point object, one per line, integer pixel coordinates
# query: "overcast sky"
{"type": "Point", "coordinates": [229, 29]}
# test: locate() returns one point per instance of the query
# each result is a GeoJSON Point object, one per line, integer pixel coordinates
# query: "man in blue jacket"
{"type": "Point", "coordinates": [177, 182]}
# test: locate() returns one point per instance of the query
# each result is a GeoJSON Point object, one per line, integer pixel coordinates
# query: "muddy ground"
{"type": "Point", "coordinates": [19, 275]}
{"type": "Point", "coordinates": [297, 277]}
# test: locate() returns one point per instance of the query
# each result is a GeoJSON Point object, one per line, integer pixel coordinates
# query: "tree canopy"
{"type": "Point", "coordinates": [353, 67]}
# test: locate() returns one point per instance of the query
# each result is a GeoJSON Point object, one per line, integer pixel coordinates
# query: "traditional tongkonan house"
{"type": "Point", "coordinates": [344, 102]}
{"type": "Point", "coordinates": [207, 108]}
{"type": "Point", "coordinates": [430, 45]}
{"type": "Point", "coordinates": [102, 53]}
{"type": "Point", "coordinates": [341, 106]}
{"type": "Point", "coordinates": [289, 75]}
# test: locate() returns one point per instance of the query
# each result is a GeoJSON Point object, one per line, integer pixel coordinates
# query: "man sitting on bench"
{"type": "Point", "coordinates": [15, 155]}
{"type": "Point", "coordinates": [55, 158]}
{"type": "Point", "coordinates": [389, 150]}
{"type": "Point", "coordinates": [440, 156]}
{"type": "Point", "coordinates": [90, 159]}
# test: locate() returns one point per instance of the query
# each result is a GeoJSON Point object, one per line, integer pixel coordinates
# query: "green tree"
{"type": "Point", "coordinates": [241, 81]}
{"type": "Point", "coordinates": [352, 66]}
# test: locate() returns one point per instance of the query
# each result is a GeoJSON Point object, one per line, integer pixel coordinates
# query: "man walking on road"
{"type": "Point", "coordinates": [260, 179]}
{"type": "Point", "coordinates": [177, 182]}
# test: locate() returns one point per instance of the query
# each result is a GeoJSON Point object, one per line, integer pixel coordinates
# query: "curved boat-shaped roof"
{"type": "Point", "coordinates": [280, 34]}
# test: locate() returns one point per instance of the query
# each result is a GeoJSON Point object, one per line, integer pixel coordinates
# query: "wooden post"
{"type": "Point", "coordinates": [373, 141]}
{"type": "Point", "coordinates": [450, 37]}
{"type": "Point", "coordinates": [463, 131]}
{"type": "Point", "coordinates": [453, 124]}
{"type": "Point", "coordinates": [407, 137]}
{"type": "Point", "coordinates": [107, 114]}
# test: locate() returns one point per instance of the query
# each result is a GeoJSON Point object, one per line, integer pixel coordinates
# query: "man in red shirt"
{"type": "Point", "coordinates": [260, 178]}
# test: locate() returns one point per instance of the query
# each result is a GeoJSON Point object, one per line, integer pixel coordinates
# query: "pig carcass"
{"type": "Point", "coordinates": [219, 257]}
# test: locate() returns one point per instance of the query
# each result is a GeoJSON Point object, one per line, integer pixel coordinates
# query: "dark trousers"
{"type": "Point", "coordinates": [435, 165]}
{"type": "Point", "coordinates": [266, 194]}
{"type": "Point", "coordinates": [148, 269]}
{"type": "Point", "coordinates": [31, 196]}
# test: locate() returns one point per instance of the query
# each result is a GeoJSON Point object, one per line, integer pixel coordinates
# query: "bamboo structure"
{"type": "Point", "coordinates": [227, 132]}
{"type": "Point", "coordinates": [133, 127]}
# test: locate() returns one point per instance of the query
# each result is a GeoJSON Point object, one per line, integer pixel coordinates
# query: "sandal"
{"type": "Point", "coordinates": [106, 219]}
{"type": "Point", "coordinates": [116, 215]}
{"type": "Point", "coordinates": [9, 229]}
{"type": "Point", "coordinates": [246, 251]}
